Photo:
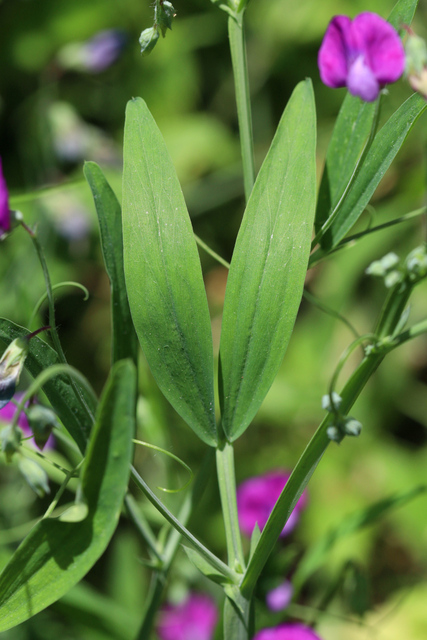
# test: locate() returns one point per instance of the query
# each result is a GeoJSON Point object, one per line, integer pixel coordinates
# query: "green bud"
{"type": "Point", "coordinates": [10, 441]}
{"type": "Point", "coordinates": [148, 40]}
{"type": "Point", "coordinates": [165, 13]}
{"type": "Point", "coordinates": [35, 476]}
{"type": "Point", "coordinates": [383, 266]}
{"type": "Point", "coordinates": [11, 365]}
{"type": "Point", "coordinates": [336, 401]}
{"type": "Point", "coordinates": [352, 427]}
{"type": "Point", "coordinates": [416, 54]}
{"type": "Point", "coordinates": [41, 420]}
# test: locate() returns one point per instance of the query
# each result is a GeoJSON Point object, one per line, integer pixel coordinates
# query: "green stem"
{"type": "Point", "coordinates": [302, 473]}
{"type": "Point", "coordinates": [142, 526]}
{"type": "Point", "coordinates": [211, 252]}
{"type": "Point", "coordinates": [158, 581]}
{"type": "Point", "coordinates": [241, 83]}
{"type": "Point", "coordinates": [54, 332]}
{"type": "Point", "coordinates": [215, 562]}
{"type": "Point", "coordinates": [227, 490]}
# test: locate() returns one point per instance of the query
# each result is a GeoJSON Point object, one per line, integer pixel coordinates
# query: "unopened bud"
{"type": "Point", "coordinates": [35, 476]}
{"type": "Point", "coordinates": [148, 40]}
{"type": "Point", "coordinates": [416, 63]}
{"type": "Point", "coordinates": [11, 365]}
{"type": "Point", "coordinates": [41, 420]}
{"type": "Point", "coordinates": [165, 13]}
{"type": "Point", "coordinates": [10, 441]}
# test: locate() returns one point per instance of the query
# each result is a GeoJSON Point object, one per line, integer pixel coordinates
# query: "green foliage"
{"type": "Point", "coordinates": [163, 275]}
{"type": "Point", "coordinates": [60, 553]}
{"type": "Point", "coordinates": [58, 390]}
{"type": "Point", "coordinates": [269, 263]}
{"type": "Point", "coordinates": [124, 341]}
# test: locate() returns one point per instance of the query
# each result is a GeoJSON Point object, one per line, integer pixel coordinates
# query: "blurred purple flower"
{"type": "Point", "coordinates": [256, 498]}
{"type": "Point", "coordinates": [362, 54]}
{"type": "Point", "coordinates": [288, 631]}
{"type": "Point", "coordinates": [103, 49]}
{"type": "Point", "coordinates": [193, 619]}
{"type": "Point", "coordinates": [278, 599]}
{"type": "Point", "coordinates": [7, 414]}
{"type": "Point", "coordinates": [4, 205]}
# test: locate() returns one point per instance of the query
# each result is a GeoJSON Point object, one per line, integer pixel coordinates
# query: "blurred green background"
{"type": "Point", "coordinates": [54, 115]}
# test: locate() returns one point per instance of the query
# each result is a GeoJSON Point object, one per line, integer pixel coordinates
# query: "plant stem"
{"type": "Point", "coordinates": [227, 490]}
{"type": "Point", "coordinates": [215, 562]}
{"type": "Point", "coordinates": [159, 576]}
{"type": "Point", "coordinates": [241, 83]}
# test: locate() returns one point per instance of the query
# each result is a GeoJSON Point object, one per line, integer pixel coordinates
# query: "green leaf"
{"type": "Point", "coordinates": [238, 615]}
{"type": "Point", "coordinates": [163, 275]}
{"type": "Point", "coordinates": [56, 555]}
{"type": "Point", "coordinates": [353, 523]}
{"type": "Point", "coordinates": [350, 133]}
{"type": "Point", "coordinates": [124, 341]}
{"type": "Point", "coordinates": [384, 149]}
{"type": "Point", "coordinates": [59, 391]}
{"type": "Point", "coordinates": [269, 264]}
{"type": "Point", "coordinates": [205, 567]}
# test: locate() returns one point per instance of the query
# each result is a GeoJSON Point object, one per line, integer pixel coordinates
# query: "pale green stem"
{"type": "Point", "coordinates": [158, 581]}
{"type": "Point", "coordinates": [227, 491]}
{"type": "Point", "coordinates": [215, 562]}
{"type": "Point", "coordinates": [241, 83]}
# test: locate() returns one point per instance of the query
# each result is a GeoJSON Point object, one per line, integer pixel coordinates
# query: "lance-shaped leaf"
{"type": "Point", "coordinates": [56, 554]}
{"type": "Point", "coordinates": [163, 275]}
{"type": "Point", "coordinates": [350, 133]}
{"type": "Point", "coordinates": [124, 341]}
{"type": "Point", "coordinates": [269, 263]}
{"type": "Point", "coordinates": [75, 418]}
{"type": "Point", "coordinates": [384, 149]}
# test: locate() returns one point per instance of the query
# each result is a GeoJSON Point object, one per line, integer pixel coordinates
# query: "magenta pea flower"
{"type": "Point", "coordinates": [256, 498]}
{"type": "Point", "coordinates": [363, 55]}
{"type": "Point", "coordinates": [193, 619]}
{"type": "Point", "coordinates": [287, 631]}
{"type": "Point", "coordinates": [4, 205]}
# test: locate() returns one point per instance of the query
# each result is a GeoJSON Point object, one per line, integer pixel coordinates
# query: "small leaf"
{"type": "Point", "coordinates": [266, 278]}
{"type": "Point", "coordinates": [124, 342]}
{"type": "Point", "coordinates": [56, 555]}
{"type": "Point", "coordinates": [204, 567]}
{"type": "Point", "coordinates": [163, 275]}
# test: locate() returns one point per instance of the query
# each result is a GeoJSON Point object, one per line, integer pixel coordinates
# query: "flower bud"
{"type": "Point", "coordinates": [42, 420]}
{"type": "Point", "coordinates": [10, 441]}
{"type": "Point", "coordinates": [416, 63]}
{"type": "Point", "coordinates": [35, 476]}
{"type": "Point", "coordinates": [11, 365]}
{"type": "Point", "coordinates": [148, 40]}
{"type": "Point", "coordinates": [165, 13]}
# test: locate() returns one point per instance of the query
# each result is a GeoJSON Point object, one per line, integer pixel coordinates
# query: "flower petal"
{"type": "Point", "coordinates": [381, 45]}
{"type": "Point", "coordinates": [334, 52]}
{"type": "Point", "coordinates": [4, 204]}
{"type": "Point", "coordinates": [362, 82]}
{"type": "Point", "coordinates": [287, 631]}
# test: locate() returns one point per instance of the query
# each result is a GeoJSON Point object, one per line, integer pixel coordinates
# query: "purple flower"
{"type": "Point", "coordinates": [4, 205]}
{"type": "Point", "coordinates": [103, 49]}
{"type": "Point", "coordinates": [7, 414]}
{"type": "Point", "coordinates": [288, 631]}
{"type": "Point", "coordinates": [193, 619]}
{"type": "Point", "coordinates": [362, 54]}
{"type": "Point", "coordinates": [256, 498]}
{"type": "Point", "coordinates": [278, 599]}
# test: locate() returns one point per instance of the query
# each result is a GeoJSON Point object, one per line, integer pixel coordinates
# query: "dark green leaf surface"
{"type": "Point", "coordinates": [384, 149]}
{"type": "Point", "coordinates": [56, 555]}
{"type": "Point", "coordinates": [124, 340]}
{"type": "Point", "coordinates": [163, 275]}
{"type": "Point", "coordinates": [269, 263]}
{"type": "Point", "coordinates": [58, 390]}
